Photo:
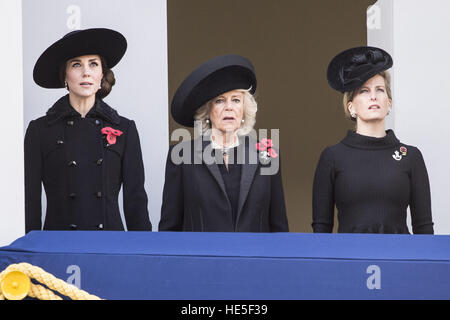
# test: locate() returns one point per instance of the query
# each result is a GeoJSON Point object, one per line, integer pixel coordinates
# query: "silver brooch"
{"type": "Point", "coordinates": [397, 156]}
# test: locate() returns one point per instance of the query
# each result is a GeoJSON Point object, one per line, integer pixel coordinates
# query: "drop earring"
{"type": "Point", "coordinates": [66, 85]}
{"type": "Point", "coordinates": [352, 113]}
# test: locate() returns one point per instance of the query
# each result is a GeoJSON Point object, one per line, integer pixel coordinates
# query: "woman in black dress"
{"type": "Point", "coordinates": [370, 176]}
{"type": "Point", "coordinates": [82, 150]}
{"type": "Point", "coordinates": [215, 182]}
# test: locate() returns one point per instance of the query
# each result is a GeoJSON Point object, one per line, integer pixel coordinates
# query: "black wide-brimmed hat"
{"type": "Point", "coordinates": [109, 44]}
{"type": "Point", "coordinates": [214, 77]}
{"type": "Point", "coordinates": [351, 68]}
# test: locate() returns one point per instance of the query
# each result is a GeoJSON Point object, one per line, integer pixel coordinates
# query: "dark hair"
{"type": "Point", "coordinates": [106, 84]}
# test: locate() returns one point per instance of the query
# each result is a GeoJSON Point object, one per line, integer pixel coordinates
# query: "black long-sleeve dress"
{"type": "Point", "coordinates": [371, 181]}
{"type": "Point", "coordinates": [82, 172]}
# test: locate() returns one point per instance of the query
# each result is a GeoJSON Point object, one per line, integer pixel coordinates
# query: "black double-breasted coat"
{"type": "Point", "coordinates": [195, 197]}
{"type": "Point", "coordinates": [82, 173]}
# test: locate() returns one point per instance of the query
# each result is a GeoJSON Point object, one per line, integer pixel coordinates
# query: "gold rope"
{"type": "Point", "coordinates": [42, 293]}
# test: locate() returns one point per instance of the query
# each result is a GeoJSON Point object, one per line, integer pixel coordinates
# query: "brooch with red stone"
{"type": "Point", "coordinates": [403, 151]}
{"type": "Point", "coordinates": [111, 134]}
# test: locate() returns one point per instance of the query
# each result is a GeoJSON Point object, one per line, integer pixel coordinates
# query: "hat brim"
{"type": "Point", "coordinates": [109, 44]}
{"type": "Point", "coordinates": [214, 77]}
{"type": "Point", "coordinates": [344, 75]}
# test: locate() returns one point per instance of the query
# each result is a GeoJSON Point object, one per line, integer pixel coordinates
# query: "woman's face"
{"type": "Point", "coordinates": [371, 101]}
{"type": "Point", "coordinates": [227, 111]}
{"type": "Point", "coordinates": [84, 75]}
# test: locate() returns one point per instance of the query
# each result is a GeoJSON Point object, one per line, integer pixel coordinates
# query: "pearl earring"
{"type": "Point", "coordinates": [207, 121]}
{"type": "Point", "coordinates": [242, 120]}
{"type": "Point", "coordinates": [66, 85]}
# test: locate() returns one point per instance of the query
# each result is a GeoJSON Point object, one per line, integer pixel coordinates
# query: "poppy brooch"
{"type": "Point", "coordinates": [111, 134]}
{"type": "Point", "coordinates": [266, 151]}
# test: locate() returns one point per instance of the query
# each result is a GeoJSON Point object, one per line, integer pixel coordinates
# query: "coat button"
{"type": "Point", "coordinates": [97, 122]}
{"type": "Point", "coordinates": [73, 163]}
{"type": "Point", "coordinates": [70, 123]}
{"type": "Point", "coordinates": [100, 226]}
{"type": "Point", "coordinates": [99, 162]}
{"type": "Point", "coordinates": [72, 195]}
{"type": "Point", "coordinates": [98, 194]}
{"type": "Point", "coordinates": [60, 142]}
{"type": "Point", "coordinates": [73, 227]}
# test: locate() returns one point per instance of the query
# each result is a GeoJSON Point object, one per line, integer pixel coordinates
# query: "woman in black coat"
{"type": "Point", "coordinates": [370, 176]}
{"type": "Point", "coordinates": [82, 150]}
{"type": "Point", "coordinates": [223, 181]}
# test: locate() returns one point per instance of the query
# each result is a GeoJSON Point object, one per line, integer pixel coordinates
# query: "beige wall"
{"type": "Point", "coordinates": [290, 43]}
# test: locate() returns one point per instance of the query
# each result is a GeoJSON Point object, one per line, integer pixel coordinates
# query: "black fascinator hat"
{"type": "Point", "coordinates": [351, 68]}
{"type": "Point", "coordinates": [109, 44]}
{"type": "Point", "coordinates": [212, 78]}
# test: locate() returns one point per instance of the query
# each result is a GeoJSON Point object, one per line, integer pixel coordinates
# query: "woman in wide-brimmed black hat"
{"type": "Point", "coordinates": [223, 181]}
{"type": "Point", "coordinates": [82, 150]}
{"type": "Point", "coordinates": [370, 176]}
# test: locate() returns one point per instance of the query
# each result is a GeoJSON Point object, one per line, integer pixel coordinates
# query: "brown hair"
{"type": "Point", "coordinates": [348, 96]}
{"type": "Point", "coordinates": [108, 80]}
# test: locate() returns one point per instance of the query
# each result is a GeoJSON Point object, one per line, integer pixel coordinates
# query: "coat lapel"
{"type": "Point", "coordinates": [248, 158]}
{"type": "Point", "coordinates": [60, 110]}
{"type": "Point", "coordinates": [211, 165]}
{"type": "Point", "coordinates": [105, 112]}
{"type": "Point", "coordinates": [249, 166]}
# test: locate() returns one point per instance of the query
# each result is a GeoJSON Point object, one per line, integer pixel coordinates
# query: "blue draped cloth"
{"type": "Point", "coordinates": [240, 266]}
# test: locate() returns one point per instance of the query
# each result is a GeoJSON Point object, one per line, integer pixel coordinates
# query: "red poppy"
{"type": "Point", "coordinates": [111, 134]}
{"type": "Point", "coordinates": [267, 142]}
{"type": "Point", "coordinates": [260, 147]}
{"type": "Point", "coordinates": [272, 153]}
{"type": "Point", "coordinates": [264, 145]}
{"type": "Point", "coordinates": [403, 150]}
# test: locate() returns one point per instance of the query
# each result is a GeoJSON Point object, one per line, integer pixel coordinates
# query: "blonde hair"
{"type": "Point", "coordinates": [249, 116]}
{"type": "Point", "coordinates": [348, 96]}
